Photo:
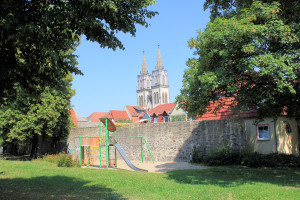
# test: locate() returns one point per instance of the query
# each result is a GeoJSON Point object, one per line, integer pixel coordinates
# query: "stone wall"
{"type": "Point", "coordinates": [173, 141]}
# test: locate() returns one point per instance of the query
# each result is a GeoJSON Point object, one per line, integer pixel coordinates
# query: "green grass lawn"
{"type": "Point", "coordinates": [43, 180]}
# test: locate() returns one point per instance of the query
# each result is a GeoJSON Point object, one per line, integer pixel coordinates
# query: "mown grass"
{"type": "Point", "coordinates": [44, 180]}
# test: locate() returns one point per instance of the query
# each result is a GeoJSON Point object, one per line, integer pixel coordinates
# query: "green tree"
{"type": "Point", "coordinates": [252, 56]}
{"type": "Point", "coordinates": [35, 34]}
{"type": "Point", "coordinates": [37, 41]}
{"type": "Point", "coordinates": [30, 116]}
{"type": "Point", "coordinates": [225, 8]}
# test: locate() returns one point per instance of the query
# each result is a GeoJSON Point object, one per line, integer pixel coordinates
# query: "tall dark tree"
{"type": "Point", "coordinates": [37, 41]}
{"type": "Point", "coordinates": [34, 35]}
{"type": "Point", "coordinates": [252, 55]}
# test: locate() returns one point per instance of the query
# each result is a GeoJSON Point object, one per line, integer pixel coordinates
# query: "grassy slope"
{"type": "Point", "coordinates": [43, 180]}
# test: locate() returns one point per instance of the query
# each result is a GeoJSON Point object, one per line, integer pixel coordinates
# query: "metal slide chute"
{"type": "Point", "coordinates": [125, 157]}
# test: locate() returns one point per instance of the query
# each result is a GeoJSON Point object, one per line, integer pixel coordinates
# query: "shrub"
{"type": "Point", "coordinates": [65, 161]}
{"type": "Point", "coordinates": [124, 121]}
{"type": "Point", "coordinates": [224, 156]}
{"type": "Point", "coordinates": [247, 157]}
{"type": "Point", "coordinates": [62, 160]}
{"type": "Point", "coordinates": [280, 160]}
{"type": "Point", "coordinates": [197, 155]}
{"type": "Point", "coordinates": [251, 160]}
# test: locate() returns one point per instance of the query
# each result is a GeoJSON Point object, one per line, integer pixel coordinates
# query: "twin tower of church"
{"type": "Point", "coordinates": [153, 90]}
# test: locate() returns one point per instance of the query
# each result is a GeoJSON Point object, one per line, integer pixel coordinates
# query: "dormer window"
{"type": "Point", "coordinates": [166, 118]}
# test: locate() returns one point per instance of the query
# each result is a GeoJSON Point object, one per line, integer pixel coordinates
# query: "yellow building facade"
{"type": "Point", "coordinates": [273, 135]}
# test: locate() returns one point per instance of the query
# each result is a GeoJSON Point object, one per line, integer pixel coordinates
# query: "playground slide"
{"type": "Point", "coordinates": [125, 157]}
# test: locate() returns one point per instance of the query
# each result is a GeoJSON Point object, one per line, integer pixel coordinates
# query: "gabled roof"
{"type": "Point", "coordinates": [119, 114]}
{"type": "Point", "coordinates": [95, 116]}
{"type": "Point", "coordinates": [160, 109]}
{"type": "Point", "coordinates": [79, 118]}
{"type": "Point", "coordinates": [134, 110]}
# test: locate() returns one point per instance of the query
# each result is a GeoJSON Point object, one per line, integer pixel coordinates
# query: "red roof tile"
{"type": "Point", "coordinates": [225, 112]}
{"type": "Point", "coordinates": [158, 110]}
{"type": "Point", "coordinates": [135, 119]}
{"type": "Point", "coordinates": [141, 115]}
{"type": "Point", "coordinates": [94, 117]}
{"type": "Point", "coordinates": [119, 114]}
{"type": "Point", "coordinates": [73, 115]}
{"type": "Point", "coordinates": [132, 111]}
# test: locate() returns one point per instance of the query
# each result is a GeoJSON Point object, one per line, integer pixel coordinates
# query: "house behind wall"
{"type": "Point", "coordinates": [278, 139]}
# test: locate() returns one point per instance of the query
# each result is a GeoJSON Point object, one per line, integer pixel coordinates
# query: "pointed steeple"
{"type": "Point", "coordinates": [144, 66]}
{"type": "Point", "coordinates": [159, 62]}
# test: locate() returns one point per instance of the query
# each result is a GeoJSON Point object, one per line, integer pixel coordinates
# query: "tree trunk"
{"type": "Point", "coordinates": [34, 147]}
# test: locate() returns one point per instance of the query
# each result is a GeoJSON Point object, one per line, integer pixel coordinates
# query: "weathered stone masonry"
{"type": "Point", "coordinates": [173, 141]}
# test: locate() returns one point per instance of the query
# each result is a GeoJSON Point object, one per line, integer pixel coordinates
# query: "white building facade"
{"type": "Point", "coordinates": [153, 90]}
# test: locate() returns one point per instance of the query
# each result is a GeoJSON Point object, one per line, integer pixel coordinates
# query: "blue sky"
{"type": "Point", "coordinates": [110, 77]}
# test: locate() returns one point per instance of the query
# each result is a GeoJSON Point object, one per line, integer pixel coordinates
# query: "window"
{"type": "Point", "coordinates": [155, 119]}
{"type": "Point", "coordinates": [263, 132]}
{"type": "Point", "coordinates": [166, 118]}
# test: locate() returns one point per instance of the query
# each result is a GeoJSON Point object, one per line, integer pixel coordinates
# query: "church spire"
{"type": "Point", "coordinates": [159, 62]}
{"type": "Point", "coordinates": [144, 66]}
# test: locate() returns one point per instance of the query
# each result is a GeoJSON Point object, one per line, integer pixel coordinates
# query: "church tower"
{"type": "Point", "coordinates": [143, 91]}
{"type": "Point", "coordinates": [160, 85]}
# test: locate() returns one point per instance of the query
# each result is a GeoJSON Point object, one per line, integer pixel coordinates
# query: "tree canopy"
{"type": "Point", "coordinates": [35, 34]}
{"type": "Point", "coordinates": [37, 44]}
{"type": "Point", "coordinates": [43, 112]}
{"type": "Point", "coordinates": [30, 115]}
{"type": "Point", "coordinates": [251, 55]}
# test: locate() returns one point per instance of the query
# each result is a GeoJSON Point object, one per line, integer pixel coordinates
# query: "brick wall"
{"type": "Point", "coordinates": [173, 141]}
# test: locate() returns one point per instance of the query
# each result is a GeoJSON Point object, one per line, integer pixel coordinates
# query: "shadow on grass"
{"type": "Point", "coordinates": [235, 176]}
{"type": "Point", "coordinates": [56, 187]}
